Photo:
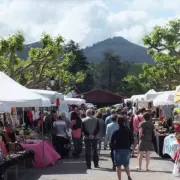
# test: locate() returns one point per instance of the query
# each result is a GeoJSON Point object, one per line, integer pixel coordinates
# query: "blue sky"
{"type": "Point", "coordinates": [85, 21]}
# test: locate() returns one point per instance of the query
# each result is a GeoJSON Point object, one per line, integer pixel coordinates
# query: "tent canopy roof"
{"type": "Point", "coordinates": [75, 101]}
{"type": "Point", "coordinates": [152, 95]}
{"type": "Point", "coordinates": [164, 99]}
{"type": "Point", "coordinates": [51, 95]}
{"type": "Point", "coordinates": [16, 95]}
{"type": "Point", "coordinates": [138, 97]}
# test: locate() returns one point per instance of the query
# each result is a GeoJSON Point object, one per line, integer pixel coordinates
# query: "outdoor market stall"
{"type": "Point", "coordinates": [170, 145]}
{"type": "Point", "coordinates": [13, 94]}
{"type": "Point", "coordinates": [169, 138]}
{"type": "Point", "coordinates": [160, 101]}
{"type": "Point", "coordinates": [140, 102]}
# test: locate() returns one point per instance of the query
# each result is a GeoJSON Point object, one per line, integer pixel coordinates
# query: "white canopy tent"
{"type": "Point", "coordinates": [5, 108]}
{"type": "Point", "coordinates": [135, 98]}
{"type": "Point", "coordinates": [178, 88]}
{"type": "Point", "coordinates": [150, 96]}
{"type": "Point", "coordinates": [164, 99]}
{"type": "Point", "coordinates": [51, 95]}
{"type": "Point", "coordinates": [127, 100]}
{"type": "Point", "coordinates": [75, 101]}
{"type": "Point", "coordinates": [15, 95]}
{"type": "Point", "coordinates": [140, 101]}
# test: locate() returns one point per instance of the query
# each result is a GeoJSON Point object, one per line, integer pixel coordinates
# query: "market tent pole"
{"type": "Point", "coordinates": [43, 140]}
{"type": "Point", "coordinates": [51, 136]}
{"type": "Point", "coordinates": [23, 114]}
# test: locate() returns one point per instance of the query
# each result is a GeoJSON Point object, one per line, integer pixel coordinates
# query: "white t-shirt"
{"type": "Point", "coordinates": [60, 127]}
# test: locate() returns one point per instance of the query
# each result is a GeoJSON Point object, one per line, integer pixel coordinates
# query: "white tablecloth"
{"type": "Point", "coordinates": [170, 146]}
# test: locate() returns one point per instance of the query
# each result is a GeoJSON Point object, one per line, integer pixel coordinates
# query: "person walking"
{"type": "Point", "coordinates": [90, 128]}
{"type": "Point", "coordinates": [76, 125]}
{"type": "Point", "coordinates": [102, 129]}
{"type": "Point", "coordinates": [121, 142]}
{"type": "Point", "coordinates": [107, 113]}
{"type": "Point", "coordinates": [61, 137]}
{"type": "Point", "coordinates": [111, 128]}
{"type": "Point", "coordinates": [108, 121]}
{"type": "Point", "coordinates": [146, 133]}
{"type": "Point", "coordinates": [109, 118]}
{"type": "Point", "coordinates": [136, 122]}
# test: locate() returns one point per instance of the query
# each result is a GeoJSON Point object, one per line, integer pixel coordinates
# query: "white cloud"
{"type": "Point", "coordinates": [85, 21]}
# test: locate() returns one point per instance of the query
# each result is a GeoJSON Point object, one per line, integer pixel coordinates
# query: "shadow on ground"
{"type": "Point", "coordinates": [65, 166]}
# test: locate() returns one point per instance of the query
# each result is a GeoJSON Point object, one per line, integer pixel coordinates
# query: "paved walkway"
{"type": "Point", "coordinates": [73, 169]}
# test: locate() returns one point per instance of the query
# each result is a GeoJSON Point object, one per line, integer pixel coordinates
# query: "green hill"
{"type": "Point", "coordinates": [126, 50]}
{"type": "Point", "coordinates": [129, 52]}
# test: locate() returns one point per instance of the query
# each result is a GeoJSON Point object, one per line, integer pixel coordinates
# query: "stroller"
{"type": "Point", "coordinates": [70, 145]}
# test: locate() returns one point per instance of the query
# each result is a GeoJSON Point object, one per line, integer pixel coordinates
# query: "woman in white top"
{"type": "Point", "coordinates": [61, 138]}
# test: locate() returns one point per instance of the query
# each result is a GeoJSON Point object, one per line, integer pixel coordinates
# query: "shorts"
{"type": "Point", "coordinates": [122, 157]}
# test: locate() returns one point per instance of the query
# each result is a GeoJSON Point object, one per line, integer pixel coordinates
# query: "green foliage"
{"type": "Point", "coordinates": [8, 53]}
{"type": "Point", "coordinates": [135, 69]}
{"type": "Point", "coordinates": [41, 64]}
{"type": "Point", "coordinates": [79, 63]}
{"type": "Point", "coordinates": [163, 44]}
{"type": "Point", "coordinates": [110, 72]}
{"type": "Point", "coordinates": [131, 85]}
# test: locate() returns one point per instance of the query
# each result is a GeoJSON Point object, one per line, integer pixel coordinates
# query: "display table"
{"type": "Point", "coordinates": [13, 160]}
{"type": "Point", "coordinates": [158, 143]}
{"type": "Point", "coordinates": [44, 153]}
{"type": "Point", "coordinates": [170, 146]}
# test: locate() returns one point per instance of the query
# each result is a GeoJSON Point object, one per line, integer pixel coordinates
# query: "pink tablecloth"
{"type": "Point", "coordinates": [49, 157]}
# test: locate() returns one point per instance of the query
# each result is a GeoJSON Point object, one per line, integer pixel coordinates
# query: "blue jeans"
{"type": "Point", "coordinates": [122, 157]}
{"type": "Point", "coordinates": [77, 146]}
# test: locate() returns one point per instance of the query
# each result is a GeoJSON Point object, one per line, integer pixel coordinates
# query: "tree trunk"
{"type": "Point", "coordinates": [11, 65]}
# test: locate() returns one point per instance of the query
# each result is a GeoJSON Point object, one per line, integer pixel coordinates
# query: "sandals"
{"type": "Point", "coordinates": [138, 168]}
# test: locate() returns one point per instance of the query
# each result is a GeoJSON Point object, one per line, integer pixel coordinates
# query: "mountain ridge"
{"type": "Point", "coordinates": [127, 50]}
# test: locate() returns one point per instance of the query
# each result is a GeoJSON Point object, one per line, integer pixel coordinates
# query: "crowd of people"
{"type": "Point", "coordinates": [120, 129]}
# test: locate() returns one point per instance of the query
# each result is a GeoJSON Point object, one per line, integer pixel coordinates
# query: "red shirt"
{"type": "Point", "coordinates": [76, 133]}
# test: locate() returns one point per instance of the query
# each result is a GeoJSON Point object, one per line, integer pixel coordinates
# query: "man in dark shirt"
{"type": "Point", "coordinates": [48, 130]}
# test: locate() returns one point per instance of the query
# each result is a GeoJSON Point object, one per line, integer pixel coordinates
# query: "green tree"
{"type": "Point", "coordinates": [80, 63]}
{"type": "Point", "coordinates": [132, 85]}
{"type": "Point", "coordinates": [9, 60]}
{"type": "Point", "coordinates": [164, 45]}
{"type": "Point", "coordinates": [111, 71]}
{"type": "Point", "coordinates": [42, 63]}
